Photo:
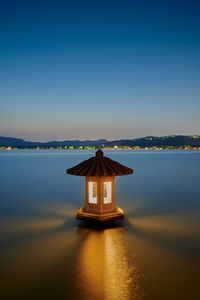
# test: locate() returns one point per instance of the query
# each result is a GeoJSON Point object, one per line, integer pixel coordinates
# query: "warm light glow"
{"type": "Point", "coordinates": [107, 192]}
{"type": "Point", "coordinates": [92, 192]}
{"type": "Point", "coordinates": [104, 268]}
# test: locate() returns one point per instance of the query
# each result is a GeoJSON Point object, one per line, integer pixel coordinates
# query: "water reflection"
{"type": "Point", "coordinates": [173, 224]}
{"type": "Point", "coordinates": [31, 248]}
{"type": "Point", "coordinates": [44, 255]}
{"type": "Point", "coordinates": [105, 267]}
{"type": "Point", "coordinates": [178, 233]}
{"type": "Point", "coordinates": [43, 221]}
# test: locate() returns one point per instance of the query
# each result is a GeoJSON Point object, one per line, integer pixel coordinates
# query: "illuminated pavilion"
{"type": "Point", "coordinates": [99, 172]}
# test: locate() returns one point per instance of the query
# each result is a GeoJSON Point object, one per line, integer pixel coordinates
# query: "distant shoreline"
{"type": "Point", "coordinates": [105, 148]}
{"type": "Point", "coordinates": [149, 142]}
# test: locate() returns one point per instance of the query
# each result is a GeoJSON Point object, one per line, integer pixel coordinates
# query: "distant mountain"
{"type": "Point", "coordinates": [15, 142]}
{"type": "Point", "coordinates": [149, 141]}
{"type": "Point", "coordinates": [75, 143]}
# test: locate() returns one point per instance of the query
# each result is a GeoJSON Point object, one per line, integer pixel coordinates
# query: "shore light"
{"type": "Point", "coordinates": [99, 172]}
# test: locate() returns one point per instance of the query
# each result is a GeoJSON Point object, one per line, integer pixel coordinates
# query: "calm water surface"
{"type": "Point", "coordinates": [45, 253]}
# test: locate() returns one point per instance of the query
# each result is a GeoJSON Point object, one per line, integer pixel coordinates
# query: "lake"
{"type": "Point", "coordinates": [45, 253]}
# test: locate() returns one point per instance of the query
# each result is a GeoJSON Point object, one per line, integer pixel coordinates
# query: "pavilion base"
{"type": "Point", "coordinates": [117, 215]}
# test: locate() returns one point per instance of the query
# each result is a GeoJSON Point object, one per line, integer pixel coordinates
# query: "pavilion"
{"type": "Point", "coordinates": [99, 172]}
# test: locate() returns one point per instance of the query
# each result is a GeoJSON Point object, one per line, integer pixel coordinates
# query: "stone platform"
{"type": "Point", "coordinates": [117, 215]}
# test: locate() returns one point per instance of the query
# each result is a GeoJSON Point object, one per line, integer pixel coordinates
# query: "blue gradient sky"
{"type": "Point", "coordinates": [99, 69]}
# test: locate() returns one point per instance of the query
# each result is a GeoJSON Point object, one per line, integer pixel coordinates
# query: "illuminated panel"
{"type": "Point", "coordinates": [92, 192]}
{"type": "Point", "coordinates": [107, 192]}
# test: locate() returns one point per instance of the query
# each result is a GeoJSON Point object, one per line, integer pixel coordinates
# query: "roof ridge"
{"type": "Point", "coordinates": [99, 165]}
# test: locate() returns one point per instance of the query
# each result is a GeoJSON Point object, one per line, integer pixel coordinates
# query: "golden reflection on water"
{"type": "Point", "coordinates": [29, 259]}
{"type": "Point", "coordinates": [61, 210]}
{"type": "Point", "coordinates": [171, 224]}
{"type": "Point", "coordinates": [129, 262]}
{"type": "Point", "coordinates": [34, 245]}
{"type": "Point", "coordinates": [104, 268]}
{"type": "Point", "coordinates": [28, 225]}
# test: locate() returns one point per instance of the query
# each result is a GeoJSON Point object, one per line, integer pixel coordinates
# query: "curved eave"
{"type": "Point", "coordinates": [99, 167]}
{"type": "Point", "coordinates": [99, 175]}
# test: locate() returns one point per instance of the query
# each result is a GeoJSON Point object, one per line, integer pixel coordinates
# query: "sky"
{"type": "Point", "coordinates": [99, 69]}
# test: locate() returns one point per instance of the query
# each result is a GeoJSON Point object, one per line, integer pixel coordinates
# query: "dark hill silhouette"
{"type": "Point", "coordinates": [15, 142]}
{"type": "Point", "coordinates": [149, 141]}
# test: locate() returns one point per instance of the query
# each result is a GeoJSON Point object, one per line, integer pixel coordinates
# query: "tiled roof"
{"type": "Point", "coordinates": [99, 165]}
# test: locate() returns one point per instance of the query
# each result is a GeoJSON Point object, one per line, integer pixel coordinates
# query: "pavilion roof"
{"type": "Point", "coordinates": [99, 165]}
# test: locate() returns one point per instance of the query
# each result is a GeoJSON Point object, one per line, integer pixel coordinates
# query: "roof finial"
{"type": "Point", "coordinates": [99, 153]}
